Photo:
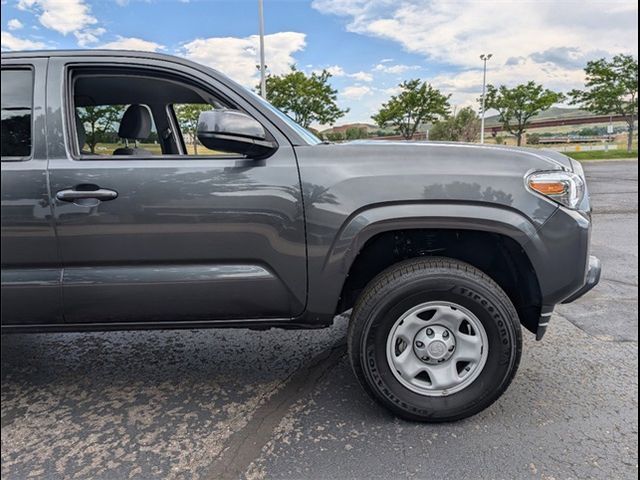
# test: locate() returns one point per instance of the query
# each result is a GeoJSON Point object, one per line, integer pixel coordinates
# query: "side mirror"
{"type": "Point", "coordinates": [233, 131]}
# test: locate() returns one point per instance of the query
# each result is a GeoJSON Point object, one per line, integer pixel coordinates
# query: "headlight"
{"type": "Point", "coordinates": [565, 188]}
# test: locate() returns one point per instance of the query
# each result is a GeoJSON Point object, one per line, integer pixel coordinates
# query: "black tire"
{"type": "Point", "coordinates": [410, 283]}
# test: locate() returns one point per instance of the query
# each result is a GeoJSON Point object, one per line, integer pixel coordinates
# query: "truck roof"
{"type": "Point", "coordinates": [114, 53]}
{"type": "Point", "coordinates": [90, 53]}
{"type": "Point", "coordinates": [108, 53]}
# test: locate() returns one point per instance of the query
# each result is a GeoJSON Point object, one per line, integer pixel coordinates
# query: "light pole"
{"type": "Point", "coordinates": [263, 81]}
{"type": "Point", "coordinates": [484, 58]}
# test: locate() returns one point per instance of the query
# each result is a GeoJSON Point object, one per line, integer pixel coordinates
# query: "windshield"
{"type": "Point", "coordinates": [303, 132]}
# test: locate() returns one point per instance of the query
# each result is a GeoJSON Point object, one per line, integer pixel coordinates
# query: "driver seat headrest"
{"type": "Point", "coordinates": [135, 123]}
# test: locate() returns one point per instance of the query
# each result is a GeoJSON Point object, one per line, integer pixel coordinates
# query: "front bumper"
{"type": "Point", "coordinates": [593, 277]}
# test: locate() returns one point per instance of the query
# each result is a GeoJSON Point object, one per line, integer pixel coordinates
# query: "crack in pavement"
{"type": "Point", "coordinates": [601, 338]}
{"type": "Point", "coordinates": [621, 282]}
{"type": "Point", "coordinates": [597, 194]}
{"type": "Point", "coordinates": [612, 211]}
{"type": "Point", "coordinates": [245, 445]}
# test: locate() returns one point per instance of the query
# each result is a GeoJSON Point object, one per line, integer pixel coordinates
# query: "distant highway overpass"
{"type": "Point", "coordinates": [559, 122]}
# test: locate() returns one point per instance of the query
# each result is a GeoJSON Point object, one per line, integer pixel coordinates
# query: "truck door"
{"type": "Point", "coordinates": [31, 270]}
{"type": "Point", "coordinates": [172, 231]}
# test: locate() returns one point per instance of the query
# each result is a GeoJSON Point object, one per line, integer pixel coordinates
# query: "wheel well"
{"type": "Point", "coordinates": [496, 255]}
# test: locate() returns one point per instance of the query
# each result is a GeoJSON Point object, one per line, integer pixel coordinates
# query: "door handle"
{"type": "Point", "coordinates": [73, 194]}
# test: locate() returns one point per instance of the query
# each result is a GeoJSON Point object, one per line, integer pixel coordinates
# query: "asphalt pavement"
{"type": "Point", "coordinates": [285, 405]}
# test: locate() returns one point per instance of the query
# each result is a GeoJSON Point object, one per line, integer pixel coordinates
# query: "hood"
{"type": "Point", "coordinates": [554, 160]}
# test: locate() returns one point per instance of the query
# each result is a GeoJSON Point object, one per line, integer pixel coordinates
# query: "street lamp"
{"type": "Point", "coordinates": [263, 81]}
{"type": "Point", "coordinates": [484, 58]}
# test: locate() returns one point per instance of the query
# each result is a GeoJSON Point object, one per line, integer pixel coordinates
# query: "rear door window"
{"type": "Point", "coordinates": [17, 106]}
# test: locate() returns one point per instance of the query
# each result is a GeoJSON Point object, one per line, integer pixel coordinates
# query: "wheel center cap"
{"type": "Point", "coordinates": [437, 349]}
{"type": "Point", "coordinates": [434, 344]}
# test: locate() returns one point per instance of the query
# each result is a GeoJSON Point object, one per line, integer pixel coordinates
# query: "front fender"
{"type": "Point", "coordinates": [368, 223]}
{"type": "Point", "coordinates": [363, 225]}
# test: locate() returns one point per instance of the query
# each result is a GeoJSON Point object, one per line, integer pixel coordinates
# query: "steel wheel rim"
{"type": "Point", "coordinates": [420, 354]}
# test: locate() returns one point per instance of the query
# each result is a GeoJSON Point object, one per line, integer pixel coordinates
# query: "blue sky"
{"type": "Point", "coordinates": [369, 45]}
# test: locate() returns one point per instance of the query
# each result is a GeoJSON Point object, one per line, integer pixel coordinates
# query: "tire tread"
{"type": "Point", "coordinates": [407, 270]}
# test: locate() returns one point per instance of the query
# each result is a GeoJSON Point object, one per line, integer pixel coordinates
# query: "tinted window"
{"type": "Point", "coordinates": [17, 103]}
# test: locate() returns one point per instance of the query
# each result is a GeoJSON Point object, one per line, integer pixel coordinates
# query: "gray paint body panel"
{"type": "Point", "coordinates": [31, 267]}
{"type": "Point", "coordinates": [205, 212]}
{"type": "Point", "coordinates": [269, 242]}
{"type": "Point", "coordinates": [380, 186]}
{"type": "Point", "coordinates": [165, 293]}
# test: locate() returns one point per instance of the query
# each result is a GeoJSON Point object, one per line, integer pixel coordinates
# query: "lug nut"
{"type": "Point", "coordinates": [452, 348]}
{"type": "Point", "coordinates": [445, 334]}
{"type": "Point", "coordinates": [426, 359]}
{"type": "Point", "coordinates": [419, 344]}
{"type": "Point", "coordinates": [429, 332]}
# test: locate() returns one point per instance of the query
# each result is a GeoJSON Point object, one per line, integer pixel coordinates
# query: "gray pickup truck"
{"type": "Point", "coordinates": [441, 251]}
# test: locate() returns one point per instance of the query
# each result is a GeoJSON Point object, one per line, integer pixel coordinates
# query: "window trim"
{"type": "Point", "coordinates": [73, 150]}
{"type": "Point", "coordinates": [31, 68]}
{"type": "Point", "coordinates": [173, 121]}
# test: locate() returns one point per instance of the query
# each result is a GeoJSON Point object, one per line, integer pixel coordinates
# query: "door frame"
{"type": "Point", "coordinates": [61, 146]}
{"type": "Point", "coordinates": [38, 283]}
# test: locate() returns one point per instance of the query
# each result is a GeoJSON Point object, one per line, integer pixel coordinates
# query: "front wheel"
{"type": "Point", "coordinates": [434, 339]}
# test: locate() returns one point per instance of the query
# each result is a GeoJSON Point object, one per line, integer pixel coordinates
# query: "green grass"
{"type": "Point", "coordinates": [603, 155]}
{"type": "Point", "coordinates": [154, 148]}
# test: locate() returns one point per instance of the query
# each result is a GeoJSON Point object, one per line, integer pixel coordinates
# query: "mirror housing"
{"type": "Point", "coordinates": [233, 131]}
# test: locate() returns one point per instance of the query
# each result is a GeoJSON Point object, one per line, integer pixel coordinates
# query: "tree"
{"type": "Point", "coordinates": [468, 124]}
{"type": "Point", "coordinates": [516, 106]}
{"type": "Point", "coordinates": [416, 103]}
{"type": "Point", "coordinates": [188, 115]}
{"type": "Point", "coordinates": [334, 136]}
{"type": "Point", "coordinates": [463, 127]}
{"type": "Point", "coordinates": [444, 130]}
{"type": "Point", "coordinates": [611, 88]}
{"type": "Point", "coordinates": [306, 98]}
{"type": "Point", "coordinates": [533, 139]}
{"type": "Point", "coordinates": [100, 120]}
{"type": "Point", "coordinates": [355, 133]}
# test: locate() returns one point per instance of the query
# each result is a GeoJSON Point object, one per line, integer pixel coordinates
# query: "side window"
{"type": "Point", "coordinates": [117, 111]}
{"type": "Point", "coordinates": [17, 106]}
{"type": "Point", "coordinates": [103, 130]}
{"type": "Point", "coordinates": [187, 116]}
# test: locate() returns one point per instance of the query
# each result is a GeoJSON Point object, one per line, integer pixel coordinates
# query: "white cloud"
{"type": "Point", "coordinates": [11, 42]}
{"type": "Point", "coordinates": [355, 92]}
{"type": "Point", "coordinates": [88, 36]}
{"type": "Point", "coordinates": [238, 57]}
{"type": "Point", "coordinates": [63, 16]}
{"type": "Point", "coordinates": [362, 76]}
{"type": "Point", "coordinates": [391, 90]}
{"type": "Point", "coordinates": [548, 42]}
{"type": "Point", "coordinates": [132, 43]}
{"type": "Point", "coordinates": [336, 71]}
{"type": "Point", "coordinates": [395, 69]}
{"type": "Point", "coordinates": [14, 24]}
